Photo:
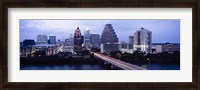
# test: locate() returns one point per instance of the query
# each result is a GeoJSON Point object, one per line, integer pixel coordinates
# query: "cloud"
{"type": "Point", "coordinates": [52, 24]}
{"type": "Point", "coordinates": [63, 25]}
{"type": "Point", "coordinates": [161, 29]}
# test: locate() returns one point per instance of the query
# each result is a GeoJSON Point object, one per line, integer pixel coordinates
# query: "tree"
{"type": "Point", "coordinates": [115, 54]}
{"type": "Point", "coordinates": [39, 53]}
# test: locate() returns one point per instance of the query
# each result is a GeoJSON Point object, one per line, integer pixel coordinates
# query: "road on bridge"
{"type": "Point", "coordinates": [118, 63]}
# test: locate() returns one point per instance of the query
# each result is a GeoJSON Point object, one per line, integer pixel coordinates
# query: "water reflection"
{"type": "Point", "coordinates": [63, 67]}
{"type": "Point", "coordinates": [161, 67]}
{"type": "Point", "coordinates": [92, 67]}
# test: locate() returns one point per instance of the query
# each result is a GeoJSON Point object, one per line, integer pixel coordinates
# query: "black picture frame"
{"type": "Point", "coordinates": [194, 4]}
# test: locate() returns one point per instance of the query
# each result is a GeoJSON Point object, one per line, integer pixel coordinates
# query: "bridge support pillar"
{"type": "Point", "coordinates": [105, 63]}
{"type": "Point", "coordinates": [114, 67]}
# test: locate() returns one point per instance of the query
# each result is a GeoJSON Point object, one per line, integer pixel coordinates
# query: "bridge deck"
{"type": "Point", "coordinates": [118, 63]}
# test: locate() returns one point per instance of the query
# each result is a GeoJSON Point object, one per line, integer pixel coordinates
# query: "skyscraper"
{"type": "Point", "coordinates": [95, 40]}
{"type": "Point", "coordinates": [71, 40]}
{"type": "Point", "coordinates": [109, 40]}
{"type": "Point", "coordinates": [42, 39]}
{"type": "Point", "coordinates": [131, 39]}
{"type": "Point", "coordinates": [109, 35]}
{"type": "Point", "coordinates": [87, 38]}
{"type": "Point", "coordinates": [52, 39]}
{"type": "Point", "coordinates": [143, 40]}
{"type": "Point", "coordinates": [78, 39]}
{"type": "Point", "coordinates": [67, 42]}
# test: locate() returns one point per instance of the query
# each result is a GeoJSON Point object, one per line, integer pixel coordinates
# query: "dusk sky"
{"type": "Point", "coordinates": [162, 30]}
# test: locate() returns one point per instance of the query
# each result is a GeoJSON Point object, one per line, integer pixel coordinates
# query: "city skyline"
{"type": "Point", "coordinates": [161, 29]}
{"type": "Point", "coordinates": [85, 47]}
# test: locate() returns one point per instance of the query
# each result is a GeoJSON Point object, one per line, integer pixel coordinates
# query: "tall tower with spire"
{"type": "Point", "coordinates": [78, 39]}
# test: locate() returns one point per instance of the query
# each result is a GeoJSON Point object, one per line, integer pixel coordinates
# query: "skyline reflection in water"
{"type": "Point", "coordinates": [91, 67]}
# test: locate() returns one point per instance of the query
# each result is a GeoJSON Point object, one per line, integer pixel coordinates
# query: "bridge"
{"type": "Point", "coordinates": [118, 63]}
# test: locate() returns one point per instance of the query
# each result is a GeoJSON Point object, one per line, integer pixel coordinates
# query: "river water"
{"type": "Point", "coordinates": [91, 67]}
{"type": "Point", "coordinates": [63, 67]}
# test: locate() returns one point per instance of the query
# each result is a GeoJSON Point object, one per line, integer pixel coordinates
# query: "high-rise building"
{"type": "Point", "coordinates": [67, 42]}
{"type": "Point", "coordinates": [52, 39]}
{"type": "Point", "coordinates": [71, 40]}
{"type": "Point", "coordinates": [87, 38]}
{"type": "Point", "coordinates": [109, 35]}
{"type": "Point", "coordinates": [59, 42]}
{"type": "Point", "coordinates": [126, 47]}
{"type": "Point", "coordinates": [131, 39]}
{"type": "Point", "coordinates": [42, 39]}
{"type": "Point", "coordinates": [109, 40]}
{"type": "Point", "coordinates": [143, 40]}
{"type": "Point", "coordinates": [78, 39]}
{"type": "Point", "coordinates": [94, 40]}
